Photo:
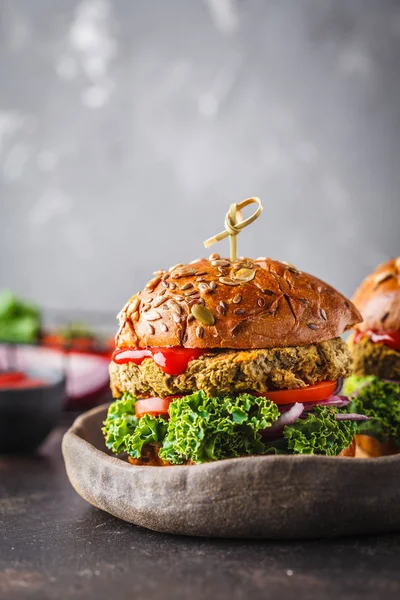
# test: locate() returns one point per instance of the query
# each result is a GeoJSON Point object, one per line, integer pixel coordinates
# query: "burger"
{"type": "Point", "coordinates": [220, 359]}
{"type": "Point", "coordinates": [374, 387]}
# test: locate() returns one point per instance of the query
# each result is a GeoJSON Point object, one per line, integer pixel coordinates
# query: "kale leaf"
{"type": "Point", "coordinates": [379, 400]}
{"type": "Point", "coordinates": [319, 433]}
{"type": "Point", "coordinates": [202, 429]}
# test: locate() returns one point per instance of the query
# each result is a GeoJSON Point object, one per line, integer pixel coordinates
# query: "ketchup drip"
{"type": "Point", "coordinates": [389, 338]}
{"type": "Point", "coordinates": [173, 360]}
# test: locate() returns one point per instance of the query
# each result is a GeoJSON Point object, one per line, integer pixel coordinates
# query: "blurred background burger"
{"type": "Point", "coordinates": [375, 346]}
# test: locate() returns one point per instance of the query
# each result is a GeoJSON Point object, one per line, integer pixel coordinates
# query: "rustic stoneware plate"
{"type": "Point", "coordinates": [284, 497]}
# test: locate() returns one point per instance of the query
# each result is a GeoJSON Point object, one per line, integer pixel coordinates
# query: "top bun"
{"type": "Point", "coordinates": [214, 303]}
{"type": "Point", "coordinates": [378, 298]}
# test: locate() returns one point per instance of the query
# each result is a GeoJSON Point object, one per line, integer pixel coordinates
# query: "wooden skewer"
{"type": "Point", "coordinates": [234, 223]}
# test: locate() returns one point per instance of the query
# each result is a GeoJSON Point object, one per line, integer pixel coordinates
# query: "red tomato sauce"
{"type": "Point", "coordinates": [390, 338]}
{"type": "Point", "coordinates": [19, 380]}
{"type": "Point", "coordinates": [173, 360]}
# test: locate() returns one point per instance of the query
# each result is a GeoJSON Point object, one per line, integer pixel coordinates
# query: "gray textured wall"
{"type": "Point", "coordinates": [127, 128]}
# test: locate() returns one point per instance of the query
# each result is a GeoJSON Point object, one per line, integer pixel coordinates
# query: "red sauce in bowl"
{"type": "Point", "coordinates": [19, 380]}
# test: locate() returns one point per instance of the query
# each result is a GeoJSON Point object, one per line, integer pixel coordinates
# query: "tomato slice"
{"type": "Point", "coordinates": [153, 406]}
{"type": "Point", "coordinates": [312, 393]}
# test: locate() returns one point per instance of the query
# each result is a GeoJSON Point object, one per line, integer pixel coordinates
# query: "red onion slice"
{"type": "Point", "coordinates": [286, 418]}
{"type": "Point", "coordinates": [351, 417]}
{"type": "Point", "coordinates": [334, 401]}
{"type": "Point", "coordinates": [339, 386]}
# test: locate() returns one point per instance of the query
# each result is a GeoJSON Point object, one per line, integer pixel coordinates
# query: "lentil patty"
{"type": "Point", "coordinates": [370, 358]}
{"type": "Point", "coordinates": [227, 371]}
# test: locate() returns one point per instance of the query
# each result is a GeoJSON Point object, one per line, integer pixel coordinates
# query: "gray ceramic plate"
{"type": "Point", "coordinates": [255, 497]}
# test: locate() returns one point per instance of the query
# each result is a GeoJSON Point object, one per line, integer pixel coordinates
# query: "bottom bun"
{"type": "Point", "coordinates": [350, 450]}
{"type": "Point", "coordinates": [369, 447]}
{"type": "Point", "coordinates": [150, 456]}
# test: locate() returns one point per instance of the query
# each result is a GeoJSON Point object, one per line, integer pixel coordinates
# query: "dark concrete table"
{"type": "Point", "coordinates": [54, 545]}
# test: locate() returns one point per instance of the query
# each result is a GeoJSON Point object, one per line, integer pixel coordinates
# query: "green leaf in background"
{"type": "Point", "coordinates": [75, 330]}
{"type": "Point", "coordinates": [379, 400]}
{"type": "Point", "coordinates": [19, 321]}
{"type": "Point", "coordinates": [354, 383]}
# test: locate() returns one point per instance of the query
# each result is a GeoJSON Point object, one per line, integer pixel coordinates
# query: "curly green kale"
{"type": "Point", "coordinates": [203, 429]}
{"type": "Point", "coordinates": [199, 428]}
{"type": "Point", "coordinates": [120, 423]}
{"type": "Point", "coordinates": [319, 433]}
{"type": "Point", "coordinates": [149, 430]}
{"type": "Point", "coordinates": [124, 432]}
{"type": "Point", "coordinates": [379, 400]}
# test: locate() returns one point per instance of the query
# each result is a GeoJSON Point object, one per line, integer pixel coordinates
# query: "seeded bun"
{"type": "Point", "coordinates": [214, 303]}
{"type": "Point", "coordinates": [378, 298]}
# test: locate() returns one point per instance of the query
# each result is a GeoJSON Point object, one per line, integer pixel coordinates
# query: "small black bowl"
{"type": "Point", "coordinates": [28, 415]}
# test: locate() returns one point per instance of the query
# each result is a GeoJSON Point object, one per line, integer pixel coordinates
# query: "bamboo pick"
{"type": "Point", "coordinates": [234, 223]}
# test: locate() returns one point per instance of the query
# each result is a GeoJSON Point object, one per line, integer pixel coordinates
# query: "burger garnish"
{"type": "Point", "coordinates": [375, 386]}
{"type": "Point", "coordinates": [223, 358]}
